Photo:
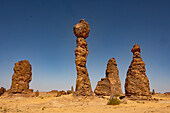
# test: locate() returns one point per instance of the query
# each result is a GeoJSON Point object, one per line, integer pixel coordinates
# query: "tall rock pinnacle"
{"type": "Point", "coordinates": [137, 83]}
{"type": "Point", "coordinates": [83, 85]}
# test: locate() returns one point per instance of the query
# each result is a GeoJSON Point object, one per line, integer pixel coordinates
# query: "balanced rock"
{"type": "Point", "coordinates": [21, 78]}
{"type": "Point", "coordinates": [137, 83]}
{"type": "Point", "coordinates": [83, 85]}
{"type": "Point", "coordinates": [110, 85]}
{"type": "Point", "coordinates": [2, 90]}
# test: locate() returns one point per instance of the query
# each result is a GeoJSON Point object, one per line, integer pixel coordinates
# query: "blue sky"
{"type": "Point", "coordinates": [41, 31]}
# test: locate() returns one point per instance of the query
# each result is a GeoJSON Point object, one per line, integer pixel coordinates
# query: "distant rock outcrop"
{"type": "Point", "coordinates": [83, 85]}
{"type": "Point", "coordinates": [137, 83]}
{"type": "Point", "coordinates": [61, 93]}
{"type": "Point", "coordinates": [20, 80]}
{"type": "Point", "coordinates": [153, 92]}
{"type": "Point", "coordinates": [37, 93]}
{"type": "Point", "coordinates": [2, 90]}
{"type": "Point", "coordinates": [110, 85]}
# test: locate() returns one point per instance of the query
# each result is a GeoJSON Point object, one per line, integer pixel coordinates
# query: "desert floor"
{"type": "Point", "coordinates": [49, 103]}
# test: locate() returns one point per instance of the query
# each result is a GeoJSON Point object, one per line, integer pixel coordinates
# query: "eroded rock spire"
{"type": "Point", "coordinates": [83, 85]}
{"type": "Point", "coordinates": [137, 83]}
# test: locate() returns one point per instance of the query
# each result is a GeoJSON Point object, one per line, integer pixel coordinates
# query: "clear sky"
{"type": "Point", "coordinates": [41, 31]}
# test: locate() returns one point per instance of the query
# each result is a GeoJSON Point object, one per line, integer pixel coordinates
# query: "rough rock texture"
{"type": "Point", "coordinates": [110, 85]}
{"type": "Point", "coordinates": [83, 85]}
{"type": "Point", "coordinates": [20, 79]}
{"type": "Point", "coordinates": [2, 90]}
{"type": "Point", "coordinates": [137, 83]}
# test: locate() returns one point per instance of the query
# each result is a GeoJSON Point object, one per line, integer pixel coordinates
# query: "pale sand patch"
{"type": "Point", "coordinates": [48, 103]}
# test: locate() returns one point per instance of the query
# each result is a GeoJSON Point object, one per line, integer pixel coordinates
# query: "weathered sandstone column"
{"type": "Point", "coordinates": [83, 85]}
{"type": "Point", "coordinates": [20, 80]}
{"type": "Point", "coordinates": [110, 85]}
{"type": "Point", "coordinates": [137, 83]}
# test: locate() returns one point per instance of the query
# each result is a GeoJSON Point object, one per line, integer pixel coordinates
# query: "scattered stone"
{"type": "Point", "coordinates": [83, 85]}
{"type": "Point", "coordinates": [110, 85]}
{"type": "Point", "coordinates": [20, 80]}
{"type": "Point", "coordinates": [37, 93]}
{"type": "Point", "coordinates": [61, 93]}
{"type": "Point", "coordinates": [156, 99]}
{"type": "Point", "coordinates": [2, 90]}
{"type": "Point", "coordinates": [121, 97]}
{"type": "Point", "coordinates": [137, 83]}
{"type": "Point", "coordinates": [69, 92]}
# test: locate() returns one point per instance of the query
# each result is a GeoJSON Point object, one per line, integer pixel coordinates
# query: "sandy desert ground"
{"type": "Point", "coordinates": [49, 103]}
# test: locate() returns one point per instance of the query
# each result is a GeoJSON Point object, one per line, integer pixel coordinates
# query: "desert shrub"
{"type": "Point", "coordinates": [18, 110]}
{"type": "Point", "coordinates": [41, 97]}
{"type": "Point", "coordinates": [5, 109]}
{"type": "Point", "coordinates": [143, 102]}
{"type": "Point", "coordinates": [43, 108]}
{"type": "Point", "coordinates": [138, 102]}
{"type": "Point", "coordinates": [0, 107]}
{"type": "Point", "coordinates": [113, 101]}
{"type": "Point", "coordinates": [125, 103]}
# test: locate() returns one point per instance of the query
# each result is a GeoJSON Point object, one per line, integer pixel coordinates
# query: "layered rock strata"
{"type": "Point", "coordinates": [110, 85]}
{"type": "Point", "coordinates": [137, 83]}
{"type": "Point", "coordinates": [83, 85]}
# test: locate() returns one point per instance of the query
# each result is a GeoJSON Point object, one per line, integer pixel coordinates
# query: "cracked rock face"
{"type": "Point", "coordinates": [137, 83]}
{"type": "Point", "coordinates": [83, 85]}
{"type": "Point", "coordinates": [110, 85]}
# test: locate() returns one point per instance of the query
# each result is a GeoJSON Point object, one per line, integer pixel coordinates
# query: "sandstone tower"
{"type": "Point", "coordinates": [110, 85]}
{"type": "Point", "coordinates": [20, 79]}
{"type": "Point", "coordinates": [83, 85]}
{"type": "Point", "coordinates": [137, 83]}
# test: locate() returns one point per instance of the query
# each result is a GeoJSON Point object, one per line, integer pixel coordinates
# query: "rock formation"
{"type": "Point", "coordinates": [153, 92]}
{"type": "Point", "coordinates": [61, 93]}
{"type": "Point", "coordinates": [20, 79]}
{"type": "Point", "coordinates": [2, 90]}
{"type": "Point", "coordinates": [137, 83]}
{"type": "Point", "coordinates": [83, 85]}
{"type": "Point", "coordinates": [110, 85]}
{"type": "Point", "coordinates": [72, 89]}
{"type": "Point", "coordinates": [37, 93]}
